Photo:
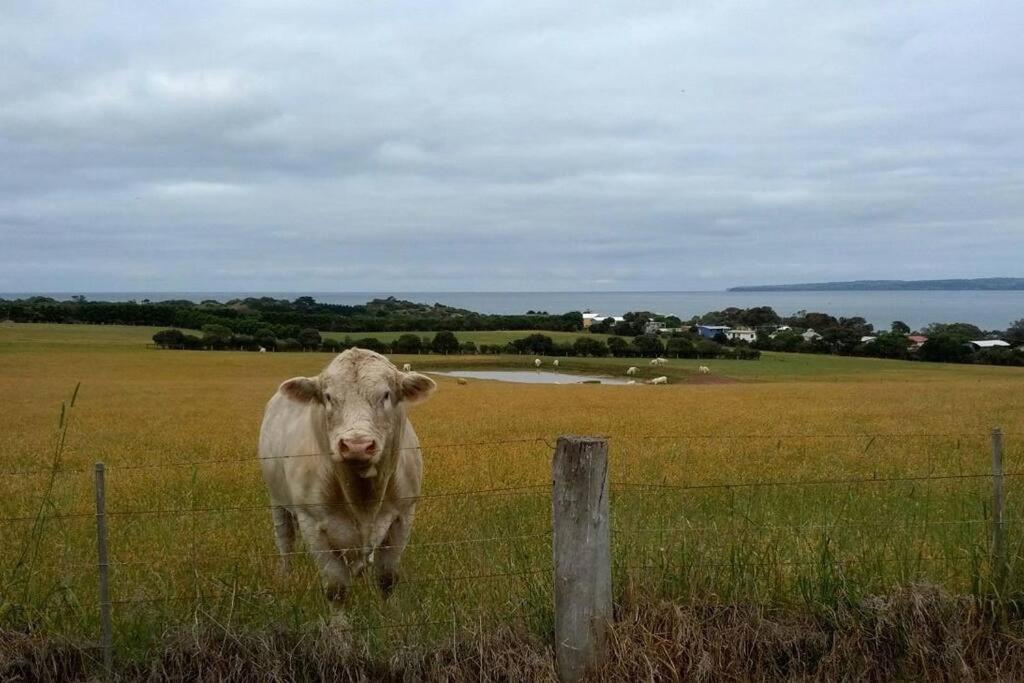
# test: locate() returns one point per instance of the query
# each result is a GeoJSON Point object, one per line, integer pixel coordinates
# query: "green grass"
{"type": "Point", "coordinates": [144, 411]}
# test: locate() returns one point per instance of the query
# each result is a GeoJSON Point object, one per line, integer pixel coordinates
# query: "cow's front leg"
{"type": "Point", "coordinates": [388, 555]}
{"type": "Point", "coordinates": [334, 571]}
{"type": "Point", "coordinates": [284, 535]}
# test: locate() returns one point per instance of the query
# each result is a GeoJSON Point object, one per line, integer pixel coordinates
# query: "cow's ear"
{"type": "Point", "coordinates": [302, 389]}
{"type": "Point", "coordinates": [416, 387]}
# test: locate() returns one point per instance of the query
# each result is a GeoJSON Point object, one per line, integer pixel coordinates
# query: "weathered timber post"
{"type": "Point", "coordinates": [582, 554]}
{"type": "Point", "coordinates": [103, 567]}
{"type": "Point", "coordinates": [999, 560]}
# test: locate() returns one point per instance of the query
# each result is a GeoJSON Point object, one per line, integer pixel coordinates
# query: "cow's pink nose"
{"type": "Point", "coordinates": [358, 447]}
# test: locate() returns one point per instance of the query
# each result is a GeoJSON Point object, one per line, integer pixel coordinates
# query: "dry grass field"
{"type": "Point", "coordinates": [714, 493]}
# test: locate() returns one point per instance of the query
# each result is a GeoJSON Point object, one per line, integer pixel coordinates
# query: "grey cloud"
{"type": "Point", "coordinates": [494, 145]}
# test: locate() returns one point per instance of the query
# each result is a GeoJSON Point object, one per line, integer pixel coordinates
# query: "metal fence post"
{"type": "Point", "coordinates": [581, 547]}
{"type": "Point", "coordinates": [103, 566]}
{"type": "Point", "coordinates": [999, 559]}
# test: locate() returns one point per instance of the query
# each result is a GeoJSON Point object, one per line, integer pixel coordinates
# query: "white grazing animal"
{"type": "Point", "coordinates": [631, 370]}
{"type": "Point", "coordinates": [536, 362]}
{"type": "Point", "coordinates": [658, 361]}
{"type": "Point", "coordinates": [632, 381]}
{"type": "Point", "coordinates": [555, 362]}
{"type": "Point", "coordinates": [660, 380]}
{"type": "Point", "coordinates": [407, 367]}
{"type": "Point", "coordinates": [262, 350]}
{"type": "Point", "coordinates": [343, 467]}
{"type": "Point", "coordinates": [704, 370]}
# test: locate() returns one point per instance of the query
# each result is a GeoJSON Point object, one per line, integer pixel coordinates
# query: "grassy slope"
{"type": "Point", "coordinates": [140, 407]}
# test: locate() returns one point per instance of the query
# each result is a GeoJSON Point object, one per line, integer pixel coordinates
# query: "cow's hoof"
{"type": "Point", "coordinates": [387, 583]}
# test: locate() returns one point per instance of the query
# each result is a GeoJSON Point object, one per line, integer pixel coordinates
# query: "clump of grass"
{"type": "Point", "coordinates": [914, 632]}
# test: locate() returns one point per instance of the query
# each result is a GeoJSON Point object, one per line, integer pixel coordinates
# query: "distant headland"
{"type": "Point", "coordinates": [980, 284]}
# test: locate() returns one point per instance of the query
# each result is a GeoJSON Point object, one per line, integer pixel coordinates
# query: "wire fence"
{"type": "Point", "coordinates": [684, 518]}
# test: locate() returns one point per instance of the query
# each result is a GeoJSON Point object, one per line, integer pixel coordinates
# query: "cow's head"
{"type": "Point", "coordinates": [363, 397]}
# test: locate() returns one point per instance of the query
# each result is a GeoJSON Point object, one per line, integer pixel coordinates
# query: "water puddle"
{"type": "Point", "coordinates": [532, 377]}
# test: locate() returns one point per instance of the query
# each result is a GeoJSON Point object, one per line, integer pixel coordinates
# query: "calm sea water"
{"type": "Point", "coordinates": [989, 310]}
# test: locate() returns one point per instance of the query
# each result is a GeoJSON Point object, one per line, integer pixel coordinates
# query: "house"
{"type": "Point", "coordinates": [867, 339]}
{"type": "Point", "coordinates": [810, 335]}
{"type": "Point", "coordinates": [710, 331]}
{"type": "Point", "coordinates": [916, 341]}
{"type": "Point", "coordinates": [741, 334]}
{"type": "Point", "coordinates": [653, 327]}
{"type": "Point", "coordinates": [591, 318]}
{"type": "Point", "coordinates": [988, 344]}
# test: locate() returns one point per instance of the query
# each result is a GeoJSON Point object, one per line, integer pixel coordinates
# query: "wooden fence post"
{"type": "Point", "coordinates": [103, 566]}
{"type": "Point", "coordinates": [582, 554]}
{"type": "Point", "coordinates": [999, 559]}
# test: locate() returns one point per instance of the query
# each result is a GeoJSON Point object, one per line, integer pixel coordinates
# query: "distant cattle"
{"type": "Point", "coordinates": [555, 362]}
{"type": "Point", "coordinates": [631, 370]}
{"type": "Point", "coordinates": [704, 370]}
{"type": "Point", "coordinates": [536, 362]}
{"type": "Point", "coordinates": [660, 380]}
{"type": "Point", "coordinates": [343, 466]}
{"type": "Point", "coordinates": [658, 361]}
{"type": "Point", "coordinates": [262, 350]}
{"type": "Point", "coordinates": [407, 367]}
{"type": "Point", "coordinates": [632, 381]}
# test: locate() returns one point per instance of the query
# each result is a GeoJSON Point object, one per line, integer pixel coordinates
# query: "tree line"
{"type": "Point", "coordinates": [445, 342]}
{"type": "Point", "coordinates": [286, 319]}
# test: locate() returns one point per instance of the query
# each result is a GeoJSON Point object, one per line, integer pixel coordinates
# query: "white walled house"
{"type": "Point", "coordinates": [741, 334]}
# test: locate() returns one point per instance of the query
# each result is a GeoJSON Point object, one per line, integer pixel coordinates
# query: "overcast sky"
{"type": "Point", "coordinates": [402, 146]}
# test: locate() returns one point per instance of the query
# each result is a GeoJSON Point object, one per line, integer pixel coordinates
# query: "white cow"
{"type": "Point", "coordinates": [555, 362]}
{"type": "Point", "coordinates": [536, 362]}
{"type": "Point", "coordinates": [407, 367]}
{"type": "Point", "coordinates": [704, 370]}
{"type": "Point", "coordinates": [343, 467]}
{"type": "Point", "coordinates": [660, 380]}
{"type": "Point", "coordinates": [658, 361]}
{"type": "Point", "coordinates": [262, 350]}
{"type": "Point", "coordinates": [631, 370]}
{"type": "Point", "coordinates": [632, 381]}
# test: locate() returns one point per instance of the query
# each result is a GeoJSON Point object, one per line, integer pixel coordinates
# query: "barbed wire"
{"type": "Point", "coordinates": [810, 482]}
{"type": "Point", "coordinates": [809, 526]}
{"type": "Point", "coordinates": [316, 590]}
{"type": "Point", "coordinates": [817, 561]}
{"type": "Point", "coordinates": [539, 439]}
{"type": "Point", "coordinates": [521, 490]}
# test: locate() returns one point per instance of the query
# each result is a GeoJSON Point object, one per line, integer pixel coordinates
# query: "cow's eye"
{"type": "Point", "coordinates": [386, 397]}
{"type": "Point", "coordinates": [327, 398]}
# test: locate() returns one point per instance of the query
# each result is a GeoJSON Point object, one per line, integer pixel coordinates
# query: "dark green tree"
{"type": "Point", "coordinates": [945, 348]}
{"type": "Point", "coordinates": [310, 339]}
{"type": "Point", "coordinates": [588, 346]}
{"type": "Point", "coordinates": [216, 336]}
{"type": "Point", "coordinates": [445, 342]}
{"type": "Point", "coordinates": [169, 339]}
{"type": "Point", "coordinates": [407, 343]}
{"type": "Point", "coordinates": [899, 327]}
{"type": "Point", "coordinates": [618, 346]}
{"type": "Point", "coordinates": [648, 346]}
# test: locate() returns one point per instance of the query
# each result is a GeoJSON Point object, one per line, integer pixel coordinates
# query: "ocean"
{"type": "Point", "coordinates": [990, 310]}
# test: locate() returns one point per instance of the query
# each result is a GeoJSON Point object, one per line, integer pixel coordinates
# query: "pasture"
{"type": "Point", "coordinates": [807, 481]}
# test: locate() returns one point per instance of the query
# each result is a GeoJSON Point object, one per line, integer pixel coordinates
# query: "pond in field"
{"type": "Point", "coordinates": [532, 377]}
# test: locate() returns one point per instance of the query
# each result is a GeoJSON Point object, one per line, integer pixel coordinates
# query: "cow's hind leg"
{"type": "Point", "coordinates": [388, 555]}
{"type": "Point", "coordinates": [284, 535]}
